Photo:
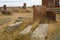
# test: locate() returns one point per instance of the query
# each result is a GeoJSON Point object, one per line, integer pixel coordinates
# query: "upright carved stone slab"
{"type": "Point", "coordinates": [4, 7]}
{"type": "Point", "coordinates": [50, 3]}
{"type": "Point", "coordinates": [24, 6]}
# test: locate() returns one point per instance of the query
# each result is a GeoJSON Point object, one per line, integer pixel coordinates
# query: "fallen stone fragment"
{"type": "Point", "coordinates": [14, 26]}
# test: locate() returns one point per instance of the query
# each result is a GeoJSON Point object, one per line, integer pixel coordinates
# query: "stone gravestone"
{"type": "Point", "coordinates": [24, 6]}
{"type": "Point", "coordinates": [0, 9]}
{"type": "Point", "coordinates": [50, 15]}
{"type": "Point", "coordinates": [39, 13]}
{"type": "Point", "coordinates": [35, 13]}
{"type": "Point", "coordinates": [5, 11]}
{"type": "Point", "coordinates": [43, 10]}
{"type": "Point", "coordinates": [4, 7]}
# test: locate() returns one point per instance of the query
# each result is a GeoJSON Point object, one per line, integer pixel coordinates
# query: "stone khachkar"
{"type": "Point", "coordinates": [39, 14]}
{"type": "Point", "coordinates": [4, 7]}
{"type": "Point", "coordinates": [50, 3]}
{"type": "Point", "coordinates": [24, 6]}
{"type": "Point", "coordinates": [57, 3]}
{"type": "Point", "coordinates": [5, 11]}
{"type": "Point", "coordinates": [50, 15]}
{"type": "Point", "coordinates": [35, 14]}
{"type": "Point", "coordinates": [42, 15]}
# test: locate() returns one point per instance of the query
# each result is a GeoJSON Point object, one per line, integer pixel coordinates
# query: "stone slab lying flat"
{"type": "Point", "coordinates": [26, 30]}
{"type": "Point", "coordinates": [14, 26]}
{"type": "Point", "coordinates": [40, 32]}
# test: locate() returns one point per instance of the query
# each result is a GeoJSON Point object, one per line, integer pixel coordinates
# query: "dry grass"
{"type": "Point", "coordinates": [54, 32]}
{"type": "Point", "coordinates": [14, 35]}
{"type": "Point", "coordinates": [28, 35]}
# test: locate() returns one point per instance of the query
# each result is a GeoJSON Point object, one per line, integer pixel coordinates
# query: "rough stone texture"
{"type": "Point", "coordinates": [35, 14]}
{"type": "Point", "coordinates": [50, 3]}
{"type": "Point", "coordinates": [5, 11]}
{"type": "Point", "coordinates": [4, 7]}
{"type": "Point", "coordinates": [51, 15]}
{"type": "Point", "coordinates": [57, 3]}
{"type": "Point", "coordinates": [44, 2]}
{"type": "Point", "coordinates": [40, 32]}
{"type": "Point", "coordinates": [24, 6]}
{"type": "Point", "coordinates": [39, 13]}
{"type": "Point", "coordinates": [13, 26]}
{"type": "Point", "coordinates": [26, 30]}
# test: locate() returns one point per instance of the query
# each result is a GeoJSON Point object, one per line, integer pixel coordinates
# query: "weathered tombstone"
{"type": "Point", "coordinates": [4, 7]}
{"type": "Point", "coordinates": [0, 9]}
{"type": "Point", "coordinates": [43, 11]}
{"type": "Point", "coordinates": [5, 11]}
{"type": "Point", "coordinates": [50, 15]}
{"type": "Point", "coordinates": [33, 7]}
{"type": "Point", "coordinates": [13, 26]}
{"type": "Point", "coordinates": [24, 6]}
{"type": "Point", "coordinates": [39, 13]}
{"type": "Point", "coordinates": [50, 3]}
{"type": "Point", "coordinates": [35, 13]}
{"type": "Point", "coordinates": [42, 14]}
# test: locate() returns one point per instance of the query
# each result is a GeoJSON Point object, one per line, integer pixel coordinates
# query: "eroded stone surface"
{"type": "Point", "coordinates": [40, 32]}
{"type": "Point", "coordinates": [26, 30]}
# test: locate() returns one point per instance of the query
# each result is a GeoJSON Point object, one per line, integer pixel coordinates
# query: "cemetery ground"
{"type": "Point", "coordinates": [6, 34]}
